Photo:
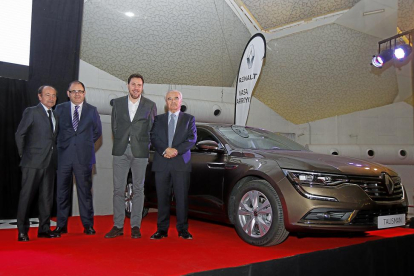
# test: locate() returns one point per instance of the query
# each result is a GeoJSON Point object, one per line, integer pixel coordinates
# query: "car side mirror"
{"type": "Point", "coordinates": [209, 145]}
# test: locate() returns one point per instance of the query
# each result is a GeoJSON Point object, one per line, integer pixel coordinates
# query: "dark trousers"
{"type": "Point", "coordinates": [165, 181]}
{"type": "Point", "coordinates": [41, 182]}
{"type": "Point", "coordinates": [83, 177]}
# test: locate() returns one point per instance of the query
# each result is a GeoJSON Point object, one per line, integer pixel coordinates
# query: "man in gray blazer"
{"type": "Point", "coordinates": [132, 119]}
{"type": "Point", "coordinates": [36, 143]}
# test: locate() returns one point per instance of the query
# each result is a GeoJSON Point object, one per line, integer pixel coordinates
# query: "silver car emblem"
{"type": "Point", "coordinates": [250, 57]}
{"type": "Point", "coordinates": [389, 183]}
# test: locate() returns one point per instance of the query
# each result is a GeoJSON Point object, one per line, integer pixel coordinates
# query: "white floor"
{"type": "Point", "coordinates": [11, 223]}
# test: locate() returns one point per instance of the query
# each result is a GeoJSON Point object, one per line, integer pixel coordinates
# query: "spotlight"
{"type": "Point", "coordinates": [402, 51]}
{"type": "Point", "coordinates": [385, 56]}
{"type": "Point", "coordinates": [397, 47]}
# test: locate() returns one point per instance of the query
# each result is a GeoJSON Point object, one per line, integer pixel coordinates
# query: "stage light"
{"type": "Point", "coordinates": [397, 47]}
{"type": "Point", "coordinates": [402, 51]}
{"type": "Point", "coordinates": [385, 56]}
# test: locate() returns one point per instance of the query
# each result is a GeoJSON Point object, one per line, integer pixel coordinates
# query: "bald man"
{"type": "Point", "coordinates": [36, 143]}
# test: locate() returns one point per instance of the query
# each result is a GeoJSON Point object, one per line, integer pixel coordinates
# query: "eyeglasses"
{"type": "Point", "coordinates": [76, 91]}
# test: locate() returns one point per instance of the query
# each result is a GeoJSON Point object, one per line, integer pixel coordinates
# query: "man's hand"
{"type": "Point", "coordinates": [170, 153]}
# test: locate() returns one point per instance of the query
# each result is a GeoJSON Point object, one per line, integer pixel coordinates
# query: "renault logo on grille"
{"type": "Point", "coordinates": [389, 183]}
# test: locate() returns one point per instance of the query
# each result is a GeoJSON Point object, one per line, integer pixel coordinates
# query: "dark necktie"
{"type": "Point", "coordinates": [50, 118]}
{"type": "Point", "coordinates": [171, 130]}
{"type": "Point", "coordinates": [75, 121]}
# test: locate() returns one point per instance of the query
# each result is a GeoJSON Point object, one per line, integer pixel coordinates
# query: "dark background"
{"type": "Point", "coordinates": [54, 60]}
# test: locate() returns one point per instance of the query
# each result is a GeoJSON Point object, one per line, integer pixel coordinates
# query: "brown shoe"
{"type": "Point", "coordinates": [115, 232]}
{"type": "Point", "coordinates": [135, 233]}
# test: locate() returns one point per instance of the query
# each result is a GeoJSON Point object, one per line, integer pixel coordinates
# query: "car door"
{"type": "Point", "coordinates": [205, 195]}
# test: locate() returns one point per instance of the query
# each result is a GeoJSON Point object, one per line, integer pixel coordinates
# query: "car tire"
{"type": "Point", "coordinates": [128, 201]}
{"type": "Point", "coordinates": [260, 223]}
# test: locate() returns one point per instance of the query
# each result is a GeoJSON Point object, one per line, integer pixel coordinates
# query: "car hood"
{"type": "Point", "coordinates": [310, 161]}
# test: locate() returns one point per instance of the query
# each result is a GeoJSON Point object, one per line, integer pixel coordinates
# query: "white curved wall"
{"type": "Point", "coordinates": [201, 109]}
{"type": "Point", "coordinates": [384, 154]}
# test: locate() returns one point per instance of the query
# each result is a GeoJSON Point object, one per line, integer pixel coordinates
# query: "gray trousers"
{"type": "Point", "coordinates": [121, 165]}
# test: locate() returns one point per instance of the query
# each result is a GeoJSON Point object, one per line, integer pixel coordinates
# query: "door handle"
{"type": "Point", "coordinates": [213, 165]}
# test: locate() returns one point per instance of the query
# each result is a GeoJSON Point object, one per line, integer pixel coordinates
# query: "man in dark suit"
{"type": "Point", "coordinates": [79, 128]}
{"type": "Point", "coordinates": [173, 135]}
{"type": "Point", "coordinates": [36, 143]}
{"type": "Point", "coordinates": [131, 121]}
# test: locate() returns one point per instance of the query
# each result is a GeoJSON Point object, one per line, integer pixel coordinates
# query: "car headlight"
{"type": "Point", "coordinates": [315, 179]}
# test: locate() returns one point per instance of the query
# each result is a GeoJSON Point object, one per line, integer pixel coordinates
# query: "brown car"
{"type": "Point", "coordinates": [267, 186]}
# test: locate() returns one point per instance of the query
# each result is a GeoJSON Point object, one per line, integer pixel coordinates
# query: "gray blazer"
{"type": "Point", "coordinates": [137, 132]}
{"type": "Point", "coordinates": [35, 140]}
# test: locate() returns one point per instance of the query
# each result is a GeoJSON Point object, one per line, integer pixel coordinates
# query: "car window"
{"type": "Point", "coordinates": [251, 138]}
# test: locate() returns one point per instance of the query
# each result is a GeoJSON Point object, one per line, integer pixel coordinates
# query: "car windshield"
{"type": "Point", "coordinates": [253, 138]}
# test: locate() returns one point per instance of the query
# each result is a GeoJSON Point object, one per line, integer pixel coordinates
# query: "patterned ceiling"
{"type": "Point", "coordinates": [168, 41]}
{"type": "Point", "coordinates": [406, 14]}
{"type": "Point", "coordinates": [305, 79]}
{"type": "Point", "coordinates": [275, 13]}
{"type": "Point", "coordinates": [307, 75]}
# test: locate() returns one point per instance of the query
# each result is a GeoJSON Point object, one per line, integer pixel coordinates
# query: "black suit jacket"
{"type": "Point", "coordinates": [185, 137]}
{"type": "Point", "coordinates": [80, 143]}
{"type": "Point", "coordinates": [138, 131]}
{"type": "Point", "coordinates": [35, 140]}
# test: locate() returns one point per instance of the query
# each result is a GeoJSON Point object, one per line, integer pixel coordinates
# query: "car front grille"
{"type": "Point", "coordinates": [368, 217]}
{"type": "Point", "coordinates": [376, 188]}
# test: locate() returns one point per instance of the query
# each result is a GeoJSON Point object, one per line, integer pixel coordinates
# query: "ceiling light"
{"type": "Point", "coordinates": [397, 47]}
{"type": "Point", "coordinates": [402, 51]}
{"type": "Point", "coordinates": [130, 14]}
{"type": "Point", "coordinates": [385, 56]}
{"type": "Point", "coordinates": [373, 12]}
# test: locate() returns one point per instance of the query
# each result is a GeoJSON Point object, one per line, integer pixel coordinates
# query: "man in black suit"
{"type": "Point", "coordinates": [79, 128]}
{"type": "Point", "coordinates": [36, 143]}
{"type": "Point", "coordinates": [131, 121]}
{"type": "Point", "coordinates": [173, 135]}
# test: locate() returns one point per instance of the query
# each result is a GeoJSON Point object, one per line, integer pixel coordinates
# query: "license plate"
{"type": "Point", "coordinates": [391, 221]}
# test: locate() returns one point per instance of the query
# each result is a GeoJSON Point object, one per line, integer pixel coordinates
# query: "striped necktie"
{"type": "Point", "coordinates": [75, 120]}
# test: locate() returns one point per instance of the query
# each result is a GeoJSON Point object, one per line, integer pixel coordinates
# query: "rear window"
{"type": "Point", "coordinates": [252, 138]}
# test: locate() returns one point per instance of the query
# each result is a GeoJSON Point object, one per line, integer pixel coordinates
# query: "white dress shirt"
{"type": "Point", "coordinates": [72, 109]}
{"type": "Point", "coordinates": [133, 107]}
{"type": "Point", "coordinates": [53, 116]}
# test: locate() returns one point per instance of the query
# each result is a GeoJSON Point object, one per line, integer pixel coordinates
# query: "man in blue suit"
{"type": "Point", "coordinates": [173, 135]}
{"type": "Point", "coordinates": [79, 128]}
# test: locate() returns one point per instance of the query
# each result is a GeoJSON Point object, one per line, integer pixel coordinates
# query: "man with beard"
{"type": "Point", "coordinates": [132, 119]}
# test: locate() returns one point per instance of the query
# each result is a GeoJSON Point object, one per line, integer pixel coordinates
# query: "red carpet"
{"type": "Point", "coordinates": [214, 246]}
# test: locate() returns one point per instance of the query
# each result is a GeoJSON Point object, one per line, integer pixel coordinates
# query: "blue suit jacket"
{"type": "Point", "coordinates": [78, 144]}
{"type": "Point", "coordinates": [185, 137]}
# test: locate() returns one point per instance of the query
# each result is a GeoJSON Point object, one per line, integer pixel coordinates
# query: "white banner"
{"type": "Point", "coordinates": [249, 72]}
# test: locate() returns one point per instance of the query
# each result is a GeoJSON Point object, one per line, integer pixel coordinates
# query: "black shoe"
{"type": "Point", "coordinates": [115, 232]}
{"type": "Point", "coordinates": [185, 235]}
{"type": "Point", "coordinates": [60, 230]}
{"type": "Point", "coordinates": [89, 230]}
{"type": "Point", "coordinates": [49, 234]}
{"type": "Point", "coordinates": [159, 235]}
{"type": "Point", "coordinates": [23, 237]}
{"type": "Point", "coordinates": [135, 233]}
